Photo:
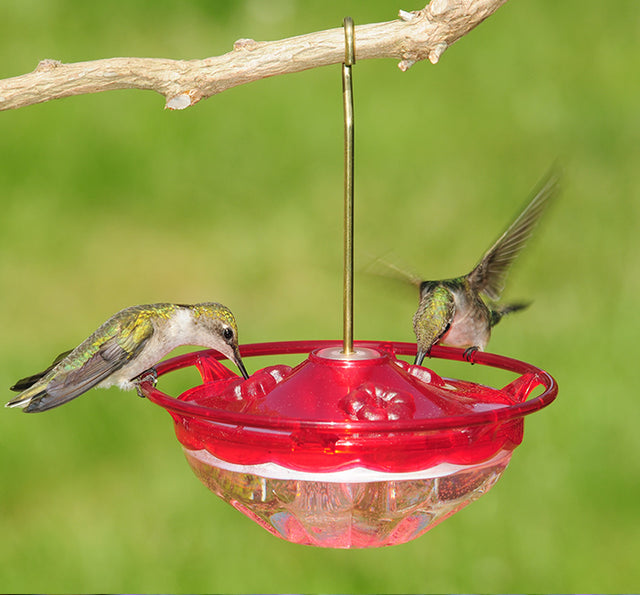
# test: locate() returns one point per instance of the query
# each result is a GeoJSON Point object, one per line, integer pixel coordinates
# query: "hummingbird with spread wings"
{"type": "Point", "coordinates": [461, 311]}
{"type": "Point", "coordinates": [125, 348]}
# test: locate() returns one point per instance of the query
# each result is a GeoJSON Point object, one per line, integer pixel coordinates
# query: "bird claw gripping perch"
{"type": "Point", "coordinates": [469, 354]}
{"type": "Point", "coordinates": [150, 375]}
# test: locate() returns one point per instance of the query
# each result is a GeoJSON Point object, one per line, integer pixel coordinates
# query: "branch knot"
{"type": "Point", "coordinates": [47, 64]}
{"type": "Point", "coordinates": [246, 44]}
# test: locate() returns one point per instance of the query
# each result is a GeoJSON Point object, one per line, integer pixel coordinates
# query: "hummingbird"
{"type": "Point", "coordinates": [460, 312]}
{"type": "Point", "coordinates": [124, 349]}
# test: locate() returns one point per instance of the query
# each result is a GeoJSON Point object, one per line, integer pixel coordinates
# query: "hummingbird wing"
{"type": "Point", "coordinates": [113, 345]}
{"type": "Point", "coordinates": [384, 268]}
{"type": "Point", "coordinates": [29, 381]}
{"type": "Point", "coordinates": [490, 273]}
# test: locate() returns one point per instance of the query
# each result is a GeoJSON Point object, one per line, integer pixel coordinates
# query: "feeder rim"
{"type": "Point", "coordinates": [500, 415]}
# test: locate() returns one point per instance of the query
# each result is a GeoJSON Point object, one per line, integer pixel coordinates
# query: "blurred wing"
{"type": "Point", "coordinates": [490, 274]}
{"type": "Point", "coordinates": [384, 268]}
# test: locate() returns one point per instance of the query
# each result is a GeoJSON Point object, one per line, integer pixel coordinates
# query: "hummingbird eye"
{"type": "Point", "coordinates": [227, 333]}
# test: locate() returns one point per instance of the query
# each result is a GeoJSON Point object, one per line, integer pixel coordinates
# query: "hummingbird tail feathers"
{"type": "Point", "coordinates": [497, 312]}
{"type": "Point", "coordinates": [23, 401]}
{"type": "Point", "coordinates": [25, 383]}
{"type": "Point", "coordinates": [38, 399]}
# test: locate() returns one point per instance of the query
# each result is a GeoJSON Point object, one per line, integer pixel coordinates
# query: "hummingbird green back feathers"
{"type": "Point", "coordinates": [125, 346]}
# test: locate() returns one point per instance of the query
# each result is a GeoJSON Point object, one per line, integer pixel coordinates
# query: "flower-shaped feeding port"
{"type": "Point", "coordinates": [350, 451]}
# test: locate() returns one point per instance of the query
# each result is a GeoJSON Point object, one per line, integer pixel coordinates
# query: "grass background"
{"type": "Point", "coordinates": [108, 200]}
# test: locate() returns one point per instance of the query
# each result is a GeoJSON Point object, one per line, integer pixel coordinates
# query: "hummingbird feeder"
{"type": "Point", "coordinates": [353, 447]}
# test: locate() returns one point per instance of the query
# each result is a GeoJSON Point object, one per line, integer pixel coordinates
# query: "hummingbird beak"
{"type": "Point", "coordinates": [419, 358]}
{"type": "Point", "coordinates": [238, 361]}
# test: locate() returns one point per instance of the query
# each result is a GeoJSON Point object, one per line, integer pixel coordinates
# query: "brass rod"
{"type": "Point", "coordinates": [347, 96]}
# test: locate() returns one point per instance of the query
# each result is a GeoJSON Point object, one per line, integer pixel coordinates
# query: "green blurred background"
{"type": "Point", "coordinates": [109, 200]}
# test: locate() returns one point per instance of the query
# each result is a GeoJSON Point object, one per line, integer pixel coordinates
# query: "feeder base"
{"type": "Point", "coordinates": [327, 512]}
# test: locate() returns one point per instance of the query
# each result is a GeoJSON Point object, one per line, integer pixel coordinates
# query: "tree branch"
{"type": "Point", "coordinates": [417, 35]}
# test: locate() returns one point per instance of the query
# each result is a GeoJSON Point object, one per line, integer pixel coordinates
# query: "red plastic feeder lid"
{"type": "Point", "coordinates": [367, 413]}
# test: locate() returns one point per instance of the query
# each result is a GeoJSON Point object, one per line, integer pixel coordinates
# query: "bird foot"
{"type": "Point", "coordinates": [149, 375]}
{"type": "Point", "coordinates": [469, 354]}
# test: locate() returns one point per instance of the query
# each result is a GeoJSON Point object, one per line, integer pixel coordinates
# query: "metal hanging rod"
{"type": "Point", "coordinates": [347, 96]}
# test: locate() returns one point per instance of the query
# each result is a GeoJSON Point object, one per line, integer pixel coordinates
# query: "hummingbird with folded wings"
{"type": "Point", "coordinates": [125, 348]}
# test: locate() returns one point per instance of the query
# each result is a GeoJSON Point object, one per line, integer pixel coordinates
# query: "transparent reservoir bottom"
{"type": "Point", "coordinates": [340, 510]}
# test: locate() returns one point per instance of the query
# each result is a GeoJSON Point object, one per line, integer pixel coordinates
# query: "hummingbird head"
{"type": "Point", "coordinates": [431, 319]}
{"type": "Point", "coordinates": [219, 331]}
{"type": "Point", "coordinates": [422, 330]}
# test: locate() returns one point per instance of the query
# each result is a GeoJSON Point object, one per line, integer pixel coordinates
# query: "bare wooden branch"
{"type": "Point", "coordinates": [415, 36]}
